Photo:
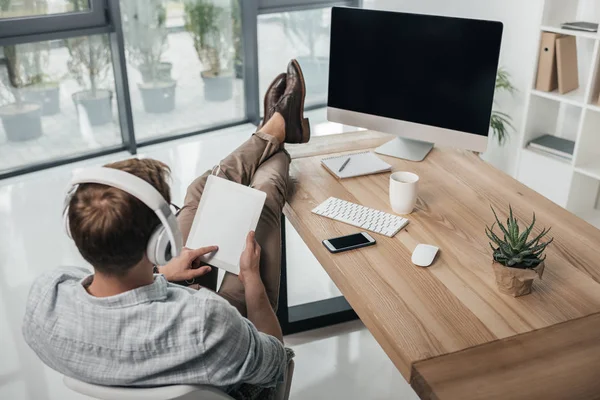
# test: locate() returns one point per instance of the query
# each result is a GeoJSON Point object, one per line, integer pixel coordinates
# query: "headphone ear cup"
{"type": "Point", "coordinates": [159, 247]}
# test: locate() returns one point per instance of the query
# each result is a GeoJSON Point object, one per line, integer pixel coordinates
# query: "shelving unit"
{"type": "Point", "coordinates": [573, 184]}
{"type": "Point", "coordinates": [556, 29]}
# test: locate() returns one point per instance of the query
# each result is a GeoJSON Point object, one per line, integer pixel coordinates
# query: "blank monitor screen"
{"type": "Point", "coordinates": [430, 70]}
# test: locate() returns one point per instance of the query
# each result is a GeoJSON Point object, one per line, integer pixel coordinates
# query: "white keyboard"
{"type": "Point", "coordinates": [361, 216]}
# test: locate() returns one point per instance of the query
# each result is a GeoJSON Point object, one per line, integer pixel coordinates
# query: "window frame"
{"type": "Point", "coordinates": [55, 26]}
{"type": "Point", "coordinates": [104, 18]}
{"type": "Point", "coordinates": [277, 6]}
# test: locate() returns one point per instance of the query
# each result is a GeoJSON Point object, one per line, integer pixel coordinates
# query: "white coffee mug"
{"type": "Point", "coordinates": [403, 191]}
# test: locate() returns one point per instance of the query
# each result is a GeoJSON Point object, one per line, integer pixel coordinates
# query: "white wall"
{"type": "Point", "coordinates": [521, 20]}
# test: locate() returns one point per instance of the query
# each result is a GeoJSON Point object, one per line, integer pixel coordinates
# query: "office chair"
{"type": "Point", "coordinates": [175, 392]}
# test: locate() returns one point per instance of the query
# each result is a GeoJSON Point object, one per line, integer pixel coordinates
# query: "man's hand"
{"type": "Point", "coordinates": [258, 306]}
{"type": "Point", "coordinates": [250, 261]}
{"type": "Point", "coordinates": [185, 267]}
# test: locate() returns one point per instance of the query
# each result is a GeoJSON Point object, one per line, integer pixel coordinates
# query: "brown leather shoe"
{"type": "Point", "coordinates": [273, 95]}
{"type": "Point", "coordinates": [291, 106]}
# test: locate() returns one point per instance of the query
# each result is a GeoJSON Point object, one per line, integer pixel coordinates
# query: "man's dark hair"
{"type": "Point", "coordinates": [110, 227]}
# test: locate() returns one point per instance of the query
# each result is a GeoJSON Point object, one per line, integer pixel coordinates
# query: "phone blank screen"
{"type": "Point", "coordinates": [348, 241]}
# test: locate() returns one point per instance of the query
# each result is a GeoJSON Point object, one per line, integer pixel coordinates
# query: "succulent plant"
{"type": "Point", "coordinates": [515, 249]}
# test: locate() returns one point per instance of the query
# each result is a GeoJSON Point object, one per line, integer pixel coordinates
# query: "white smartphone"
{"type": "Point", "coordinates": [343, 243]}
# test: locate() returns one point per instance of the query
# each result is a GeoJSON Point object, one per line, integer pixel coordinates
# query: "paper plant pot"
{"type": "Point", "coordinates": [516, 281]}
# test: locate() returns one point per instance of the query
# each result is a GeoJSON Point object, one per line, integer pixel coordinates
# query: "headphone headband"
{"type": "Point", "coordinates": [137, 187]}
{"type": "Point", "coordinates": [140, 189]}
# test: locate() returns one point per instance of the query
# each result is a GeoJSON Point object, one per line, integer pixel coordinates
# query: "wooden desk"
{"type": "Point", "coordinates": [423, 313]}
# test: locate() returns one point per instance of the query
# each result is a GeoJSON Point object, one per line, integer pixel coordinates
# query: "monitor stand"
{"type": "Point", "coordinates": [408, 149]}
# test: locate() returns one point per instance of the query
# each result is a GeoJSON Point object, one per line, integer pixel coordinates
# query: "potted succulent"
{"type": "Point", "coordinates": [517, 259]}
{"type": "Point", "coordinates": [207, 24]}
{"type": "Point", "coordinates": [306, 28]}
{"type": "Point", "coordinates": [42, 89]}
{"type": "Point", "coordinates": [89, 64]}
{"type": "Point", "coordinates": [146, 39]}
{"type": "Point", "coordinates": [21, 119]}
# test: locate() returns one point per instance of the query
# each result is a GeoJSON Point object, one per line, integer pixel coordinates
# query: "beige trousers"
{"type": "Point", "coordinates": [260, 163]}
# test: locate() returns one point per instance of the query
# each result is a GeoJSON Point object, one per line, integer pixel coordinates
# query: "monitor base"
{"type": "Point", "coordinates": [407, 149]}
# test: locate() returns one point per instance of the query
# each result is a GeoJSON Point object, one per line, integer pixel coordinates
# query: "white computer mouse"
{"type": "Point", "coordinates": [424, 255]}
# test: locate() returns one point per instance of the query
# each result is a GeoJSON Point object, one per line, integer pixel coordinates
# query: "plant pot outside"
{"type": "Point", "coordinates": [98, 108]}
{"type": "Point", "coordinates": [22, 123]}
{"type": "Point", "coordinates": [516, 281]}
{"type": "Point", "coordinates": [158, 97]}
{"type": "Point", "coordinates": [163, 72]}
{"type": "Point", "coordinates": [316, 74]}
{"type": "Point", "coordinates": [47, 95]}
{"type": "Point", "coordinates": [219, 87]}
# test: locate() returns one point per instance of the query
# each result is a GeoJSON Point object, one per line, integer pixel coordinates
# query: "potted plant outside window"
{"type": "Point", "coordinates": [146, 39]}
{"type": "Point", "coordinates": [236, 17]}
{"type": "Point", "coordinates": [209, 26]}
{"type": "Point", "coordinates": [89, 64]}
{"type": "Point", "coordinates": [34, 60]}
{"type": "Point", "coordinates": [21, 119]}
{"type": "Point", "coordinates": [517, 259]}
{"type": "Point", "coordinates": [43, 89]}
{"type": "Point", "coordinates": [305, 29]}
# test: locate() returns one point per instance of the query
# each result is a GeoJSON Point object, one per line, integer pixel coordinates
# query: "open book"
{"type": "Point", "coordinates": [226, 213]}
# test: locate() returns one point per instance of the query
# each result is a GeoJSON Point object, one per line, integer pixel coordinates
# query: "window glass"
{"type": "Point", "coordinates": [31, 8]}
{"type": "Point", "coordinates": [303, 35]}
{"type": "Point", "coordinates": [56, 99]}
{"type": "Point", "coordinates": [184, 63]}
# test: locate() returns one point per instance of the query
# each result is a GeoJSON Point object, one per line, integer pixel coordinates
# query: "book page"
{"type": "Point", "coordinates": [227, 212]}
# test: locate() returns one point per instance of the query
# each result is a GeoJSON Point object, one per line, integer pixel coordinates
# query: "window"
{"type": "Point", "coordinates": [303, 35]}
{"type": "Point", "coordinates": [28, 8]}
{"type": "Point", "coordinates": [57, 99]}
{"type": "Point", "coordinates": [184, 63]}
{"type": "Point", "coordinates": [81, 78]}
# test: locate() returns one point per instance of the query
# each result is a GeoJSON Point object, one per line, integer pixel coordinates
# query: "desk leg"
{"type": "Point", "coordinates": [316, 314]}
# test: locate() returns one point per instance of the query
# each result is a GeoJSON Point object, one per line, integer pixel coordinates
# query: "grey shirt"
{"type": "Point", "coordinates": [160, 334]}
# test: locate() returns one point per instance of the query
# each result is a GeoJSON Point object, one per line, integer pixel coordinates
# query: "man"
{"type": "Point", "coordinates": [125, 325]}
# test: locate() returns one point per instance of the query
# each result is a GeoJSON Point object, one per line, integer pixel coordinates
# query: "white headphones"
{"type": "Point", "coordinates": [166, 241]}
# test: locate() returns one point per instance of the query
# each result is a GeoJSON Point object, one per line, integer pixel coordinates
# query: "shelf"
{"type": "Point", "coordinates": [555, 29]}
{"type": "Point", "coordinates": [591, 169]}
{"type": "Point", "coordinates": [574, 98]}
{"type": "Point", "coordinates": [593, 107]}
{"type": "Point", "coordinates": [552, 157]}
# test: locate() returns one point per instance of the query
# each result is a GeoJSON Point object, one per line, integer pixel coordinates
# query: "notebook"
{"type": "Point", "coordinates": [554, 145]}
{"type": "Point", "coordinates": [581, 26]}
{"type": "Point", "coordinates": [226, 213]}
{"type": "Point", "coordinates": [365, 163]}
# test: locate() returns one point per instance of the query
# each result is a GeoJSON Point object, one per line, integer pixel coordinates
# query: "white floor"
{"type": "Point", "coordinates": [341, 362]}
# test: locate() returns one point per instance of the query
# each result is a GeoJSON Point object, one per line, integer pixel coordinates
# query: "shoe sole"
{"type": "Point", "coordinates": [304, 121]}
{"type": "Point", "coordinates": [266, 109]}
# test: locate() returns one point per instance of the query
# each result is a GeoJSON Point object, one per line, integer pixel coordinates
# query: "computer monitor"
{"type": "Point", "coordinates": [425, 78]}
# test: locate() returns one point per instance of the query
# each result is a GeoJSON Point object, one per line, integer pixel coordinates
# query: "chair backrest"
{"type": "Point", "coordinates": [175, 392]}
{"type": "Point", "coordinates": [179, 392]}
